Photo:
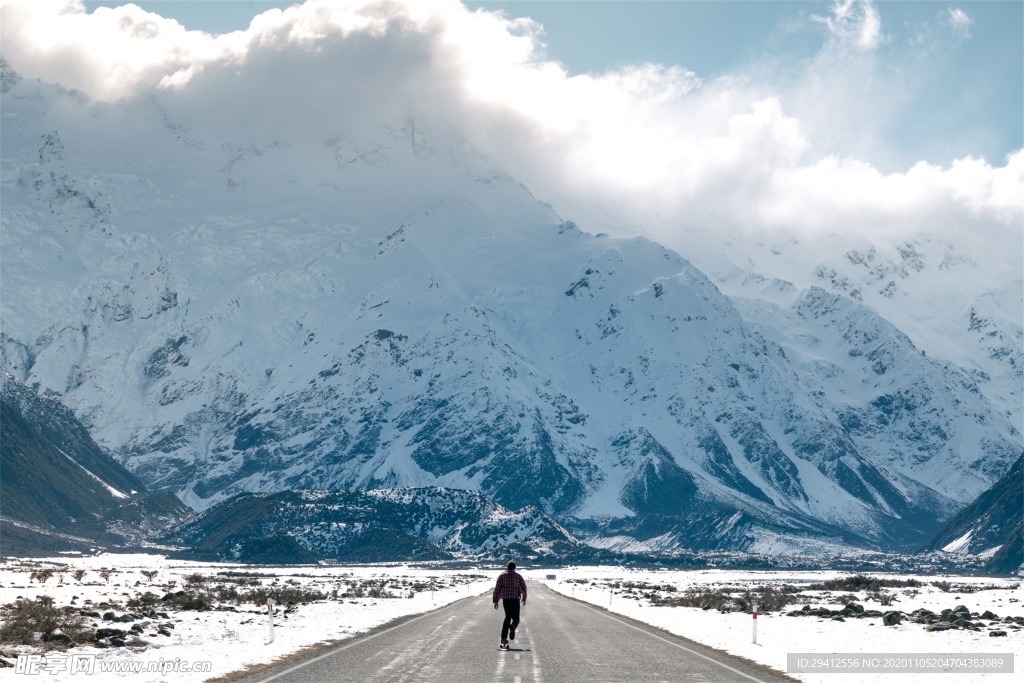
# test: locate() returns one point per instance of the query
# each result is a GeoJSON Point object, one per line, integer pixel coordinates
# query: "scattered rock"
{"type": "Point", "coordinates": [989, 615]}
{"type": "Point", "coordinates": [996, 634]}
{"type": "Point", "coordinates": [61, 639]}
{"type": "Point", "coordinates": [108, 616]}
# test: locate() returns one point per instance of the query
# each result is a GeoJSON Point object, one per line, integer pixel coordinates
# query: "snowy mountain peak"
{"type": "Point", "coordinates": [241, 311]}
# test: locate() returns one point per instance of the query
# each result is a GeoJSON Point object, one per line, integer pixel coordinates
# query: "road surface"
{"type": "Point", "coordinates": [559, 640]}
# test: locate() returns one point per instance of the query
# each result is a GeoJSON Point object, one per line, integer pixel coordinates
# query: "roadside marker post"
{"type": "Point", "coordinates": [270, 621]}
{"type": "Point", "coordinates": [753, 612]}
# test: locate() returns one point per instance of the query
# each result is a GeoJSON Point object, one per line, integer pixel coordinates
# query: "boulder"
{"type": "Point", "coordinates": [102, 633]}
{"type": "Point", "coordinates": [892, 618]}
{"type": "Point", "coordinates": [108, 616]}
{"type": "Point", "coordinates": [996, 634]}
{"type": "Point", "coordinates": [61, 639]}
{"type": "Point", "coordinates": [989, 615]}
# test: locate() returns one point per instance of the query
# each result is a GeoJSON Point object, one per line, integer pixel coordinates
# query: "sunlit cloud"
{"type": "Point", "coordinates": [646, 147]}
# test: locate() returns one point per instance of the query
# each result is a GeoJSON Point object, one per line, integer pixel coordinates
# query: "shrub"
{"type": "Point", "coordinates": [24, 618]}
{"type": "Point", "coordinates": [860, 582]}
{"type": "Point", "coordinates": [41, 575]}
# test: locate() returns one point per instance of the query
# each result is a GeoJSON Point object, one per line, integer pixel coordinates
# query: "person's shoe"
{"type": "Point", "coordinates": [512, 634]}
{"type": "Point", "coordinates": [504, 645]}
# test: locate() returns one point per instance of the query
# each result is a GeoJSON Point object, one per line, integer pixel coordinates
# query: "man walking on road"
{"type": "Point", "coordinates": [509, 588]}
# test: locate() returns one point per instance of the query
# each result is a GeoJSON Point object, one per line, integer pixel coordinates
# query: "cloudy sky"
{"type": "Point", "coordinates": [874, 117]}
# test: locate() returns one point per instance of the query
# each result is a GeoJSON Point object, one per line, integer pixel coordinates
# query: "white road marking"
{"type": "Point", "coordinates": [517, 679]}
{"type": "Point", "coordinates": [517, 655]}
{"type": "Point", "coordinates": [343, 647]}
{"type": "Point", "coordinates": [681, 647]}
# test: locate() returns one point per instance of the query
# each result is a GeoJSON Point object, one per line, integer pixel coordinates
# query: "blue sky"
{"type": "Point", "coordinates": [960, 91]}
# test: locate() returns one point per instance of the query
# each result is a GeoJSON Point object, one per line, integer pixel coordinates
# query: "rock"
{"type": "Point", "coordinates": [100, 644]}
{"type": "Point", "coordinates": [117, 642]}
{"type": "Point", "coordinates": [4, 664]}
{"type": "Point", "coordinates": [125, 618]}
{"type": "Point", "coordinates": [163, 615]}
{"type": "Point", "coordinates": [61, 639]}
{"type": "Point", "coordinates": [996, 634]}
{"type": "Point", "coordinates": [892, 618]}
{"type": "Point", "coordinates": [164, 632]}
{"type": "Point", "coordinates": [108, 616]}
{"type": "Point", "coordinates": [93, 615]}
{"type": "Point", "coordinates": [939, 626]}
{"type": "Point", "coordinates": [854, 608]}
{"type": "Point", "coordinates": [109, 633]}
{"type": "Point", "coordinates": [838, 618]}
{"type": "Point", "coordinates": [137, 628]}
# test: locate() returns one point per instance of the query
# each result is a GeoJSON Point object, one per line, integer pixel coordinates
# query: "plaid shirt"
{"type": "Point", "coordinates": [509, 587]}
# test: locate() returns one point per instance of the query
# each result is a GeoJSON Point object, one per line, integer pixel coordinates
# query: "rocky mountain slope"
{"type": "Point", "coordinates": [991, 526]}
{"type": "Point", "coordinates": [371, 526]}
{"type": "Point", "coordinates": [60, 491]}
{"type": "Point", "coordinates": [230, 309]}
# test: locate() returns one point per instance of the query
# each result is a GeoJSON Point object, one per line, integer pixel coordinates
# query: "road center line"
{"type": "Point", "coordinates": [680, 646]}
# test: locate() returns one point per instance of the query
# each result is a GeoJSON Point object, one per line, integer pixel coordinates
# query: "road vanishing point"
{"type": "Point", "coordinates": [560, 640]}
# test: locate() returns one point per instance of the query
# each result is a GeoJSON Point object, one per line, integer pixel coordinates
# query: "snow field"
{"type": "Point", "coordinates": [235, 640]}
{"type": "Point", "coordinates": [778, 634]}
{"type": "Point", "coordinates": [230, 640]}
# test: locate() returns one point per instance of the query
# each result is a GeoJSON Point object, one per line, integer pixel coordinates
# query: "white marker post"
{"type": "Point", "coordinates": [270, 621]}
{"type": "Point", "coordinates": [753, 611]}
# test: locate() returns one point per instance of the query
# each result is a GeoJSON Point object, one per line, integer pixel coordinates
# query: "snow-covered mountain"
{"type": "Point", "coordinates": [235, 309]}
{"type": "Point", "coordinates": [377, 525]}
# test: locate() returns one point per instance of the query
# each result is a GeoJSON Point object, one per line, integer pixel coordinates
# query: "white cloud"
{"type": "Point", "coordinates": [647, 145]}
{"type": "Point", "coordinates": [960, 22]}
{"type": "Point", "coordinates": [854, 22]}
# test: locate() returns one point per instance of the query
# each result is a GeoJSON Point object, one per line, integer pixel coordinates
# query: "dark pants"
{"type": "Point", "coordinates": [511, 617]}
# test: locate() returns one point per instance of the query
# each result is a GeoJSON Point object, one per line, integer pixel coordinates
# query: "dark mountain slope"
{"type": "Point", "coordinates": [995, 518]}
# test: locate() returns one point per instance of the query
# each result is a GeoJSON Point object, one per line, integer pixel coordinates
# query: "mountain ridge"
{"type": "Point", "coordinates": [388, 308]}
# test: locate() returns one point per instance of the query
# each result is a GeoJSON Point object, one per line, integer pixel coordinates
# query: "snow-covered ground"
{"type": "Point", "coordinates": [232, 637]}
{"type": "Point", "coordinates": [229, 640]}
{"type": "Point", "coordinates": [778, 634]}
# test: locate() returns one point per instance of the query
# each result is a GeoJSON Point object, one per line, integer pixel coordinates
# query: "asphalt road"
{"type": "Point", "coordinates": [559, 641]}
